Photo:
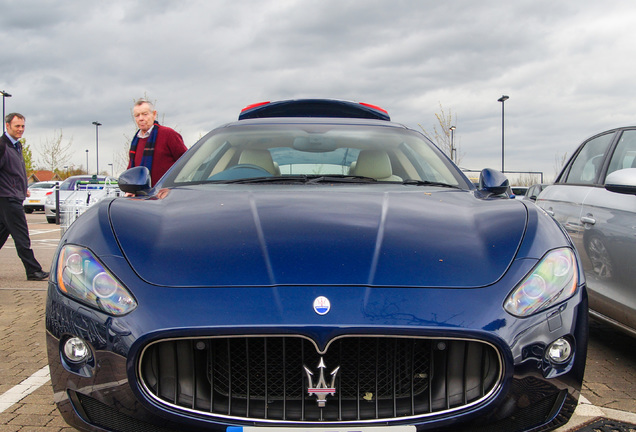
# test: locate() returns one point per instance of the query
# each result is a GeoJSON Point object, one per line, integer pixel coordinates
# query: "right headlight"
{"type": "Point", "coordinates": [554, 279]}
{"type": "Point", "coordinates": [81, 276]}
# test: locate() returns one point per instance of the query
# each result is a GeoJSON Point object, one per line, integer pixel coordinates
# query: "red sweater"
{"type": "Point", "coordinates": [168, 148]}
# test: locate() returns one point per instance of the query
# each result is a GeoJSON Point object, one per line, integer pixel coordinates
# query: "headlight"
{"type": "Point", "coordinates": [554, 279]}
{"type": "Point", "coordinates": [82, 277]}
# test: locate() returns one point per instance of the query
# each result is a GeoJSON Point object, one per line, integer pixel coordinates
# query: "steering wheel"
{"type": "Point", "coordinates": [241, 171]}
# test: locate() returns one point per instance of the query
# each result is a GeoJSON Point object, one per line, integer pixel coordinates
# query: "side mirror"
{"type": "Point", "coordinates": [135, 180]}
{"type": "Point", "coordinates": [493, 182]}
{"type": "Point", "coordinates": [622, 181]}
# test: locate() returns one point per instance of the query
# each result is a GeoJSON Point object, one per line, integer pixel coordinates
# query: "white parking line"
{"type": "Point", "coordinates": [43, 231]}
{"type": "Point", "coordinates": [25, 388]}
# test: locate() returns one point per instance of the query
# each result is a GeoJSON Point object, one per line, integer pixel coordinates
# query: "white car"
{"type": "Point", "coordinates": [81, 199]}
{"type": "Point", "coordinates": [70, 185]}
{"type": "Point", "coordinates": [37, 195]}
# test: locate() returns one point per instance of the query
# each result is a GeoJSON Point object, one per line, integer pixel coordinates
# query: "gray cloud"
{"type": "Point", "coordinates": [567, 67]}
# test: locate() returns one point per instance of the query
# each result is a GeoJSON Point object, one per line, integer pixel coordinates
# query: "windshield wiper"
{"type": "Point", "coordinates": [302, 178]}
{"type": "Point", "coordinates": [428, 183]}
{"type": "Point", "coordinates": [334, 178]}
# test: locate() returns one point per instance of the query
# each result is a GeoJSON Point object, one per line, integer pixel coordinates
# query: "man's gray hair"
{"type": "Point", "coordinates": [142, 101]}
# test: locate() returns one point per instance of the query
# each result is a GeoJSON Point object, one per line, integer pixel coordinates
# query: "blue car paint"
{"type": "Point", "coordinates": [371, 235]}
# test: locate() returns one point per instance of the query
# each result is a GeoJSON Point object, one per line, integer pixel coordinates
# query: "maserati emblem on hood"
{"type": "Point", "coordinates": [320, 389]}
{"type": "Point", "coordinates": [322, 305]}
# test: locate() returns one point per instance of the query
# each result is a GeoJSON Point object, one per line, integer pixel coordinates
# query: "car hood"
{"type": "Point", "coordinates": [319, 235]}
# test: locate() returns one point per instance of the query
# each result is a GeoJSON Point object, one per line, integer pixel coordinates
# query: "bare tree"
{"type": "Point", "coordinates": [54, 153]}
{"type": "Point", "coordinates": [559, 163]}
{"type": "Point", "coordinates": [445, 137]}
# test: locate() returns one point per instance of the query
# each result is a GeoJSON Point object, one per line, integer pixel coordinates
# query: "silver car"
{"type": "Point", "coordinates": [533, 191]}
{"type": "Point", "coordinates": [594, 200]}
{"type": "Point", "coordinates": [70, 185]}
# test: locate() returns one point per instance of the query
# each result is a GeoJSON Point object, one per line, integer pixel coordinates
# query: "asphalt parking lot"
{"type": "Point", "coordinates": [26, 398]}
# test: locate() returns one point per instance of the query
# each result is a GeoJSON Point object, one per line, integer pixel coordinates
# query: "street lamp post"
{"type": "Point", "coordinates": [112, 173]}
{"type": "Point", "coordinates": [86, 161]}
{"type": "Point", "coordinates": [452, 149]}
{"type": "Point", "coordinates": [97, 125]}
{"type": "Point", "coordinates": [4, 95]}
{"type": "Point", "coordinates": [502, 99]}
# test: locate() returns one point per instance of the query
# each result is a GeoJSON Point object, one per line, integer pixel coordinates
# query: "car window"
{"type": "Point", "coordinates": [42, 186]}
{"type": "Point", "coordinates": [384, 154]}
{"type": "Point", "coordinates": [625, 154]}
{"type": "Point", "coordinates": [589, 160]}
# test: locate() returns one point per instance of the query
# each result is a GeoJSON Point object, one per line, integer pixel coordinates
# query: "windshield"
{"type": "Point", "coordinates": [289, 152]}
{"type": "Point", "coordinates": [87, 182]}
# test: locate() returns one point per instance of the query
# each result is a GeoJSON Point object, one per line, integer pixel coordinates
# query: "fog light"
{"type": "Point", "coordinates": [76, 350]}
{"type": "Point", "coordinates": [559, 351]}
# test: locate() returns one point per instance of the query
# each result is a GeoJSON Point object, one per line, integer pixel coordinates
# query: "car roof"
{"type": "Point", "coordinates": [314, 108]}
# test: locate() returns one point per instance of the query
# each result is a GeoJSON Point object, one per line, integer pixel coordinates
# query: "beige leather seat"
{"type": "Point", "coordinates": [375, 164]}
{"type": "Point", "coordinates": [261, 158]}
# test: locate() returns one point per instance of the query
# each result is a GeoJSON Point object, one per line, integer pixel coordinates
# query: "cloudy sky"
{"type": "Point", "coordinates": [568, 66]}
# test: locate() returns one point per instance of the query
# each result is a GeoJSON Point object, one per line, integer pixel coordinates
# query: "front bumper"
{"type": "Point", "coordinates": [105, 392]}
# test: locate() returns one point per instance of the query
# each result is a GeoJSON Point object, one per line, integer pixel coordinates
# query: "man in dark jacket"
{"type": "Point", "coordinates": [13, 191]}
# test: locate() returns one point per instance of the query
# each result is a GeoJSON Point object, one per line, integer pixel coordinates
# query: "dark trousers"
{"type": "Point", "coordinates": [13, 221]}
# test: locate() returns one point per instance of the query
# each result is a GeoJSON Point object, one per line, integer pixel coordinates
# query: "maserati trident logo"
{"type": "Point", "coordinates": [320, 389]}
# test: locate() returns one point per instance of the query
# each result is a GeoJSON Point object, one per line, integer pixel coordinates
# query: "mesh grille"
{"type": "Point", "coordinates": [108, 418]}
{"type": "Point", "coordinates": [378, 378]}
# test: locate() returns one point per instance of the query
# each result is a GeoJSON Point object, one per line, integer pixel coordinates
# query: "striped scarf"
{"type": "Point", "coordinates": [149, 149]}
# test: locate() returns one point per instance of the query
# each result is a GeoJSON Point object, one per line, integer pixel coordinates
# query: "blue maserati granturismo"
{"type": "Point", "coordinates": [315, 266]}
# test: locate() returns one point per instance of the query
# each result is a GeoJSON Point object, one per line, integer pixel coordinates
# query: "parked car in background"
{"type": "Point", "coordinates": [533, 191]}
{"type": "Point", "coordinates": [37, 195]}
{"type": "Point", "coordinates": [85, 196]}
{"type": "Point", "coordinates": [519, 191]}
{"type": "Point", "coordinates": [315, 266]}
{"type": "Point", "coordinates": [594, 199]}
{"type": "Point", "coordinates": [70, 185]}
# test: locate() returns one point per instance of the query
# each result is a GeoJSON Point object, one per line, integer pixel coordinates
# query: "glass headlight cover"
{"type": "Point", "coordinates": [554, 279]}
{"type": "Point", "coordinates": [81, 276]}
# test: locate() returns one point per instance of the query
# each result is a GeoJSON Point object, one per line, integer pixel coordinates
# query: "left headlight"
{"type": "Point", "coordinates": [81, 276]}
{"type": "Point", "coordinates": [554, 279]}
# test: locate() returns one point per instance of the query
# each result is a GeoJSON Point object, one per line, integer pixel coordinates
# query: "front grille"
{"type": "Point", "coordinates": [264, 378]}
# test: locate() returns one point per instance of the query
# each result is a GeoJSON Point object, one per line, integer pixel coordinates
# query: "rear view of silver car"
{"type": "Point", "coordinates": [37, 195]}
{"type": "Point", "coordinates": [594, 199]}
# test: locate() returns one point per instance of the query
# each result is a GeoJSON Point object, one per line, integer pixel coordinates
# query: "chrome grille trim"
{"type": "Point", "coordinates": [490, 364]}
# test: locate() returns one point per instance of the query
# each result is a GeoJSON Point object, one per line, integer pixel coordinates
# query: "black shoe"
{"type": "Point", "coordinates": [38, 276]}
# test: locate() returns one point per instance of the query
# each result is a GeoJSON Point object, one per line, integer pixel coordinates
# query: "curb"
{"type": "Point", "coordinates": [586, 412]}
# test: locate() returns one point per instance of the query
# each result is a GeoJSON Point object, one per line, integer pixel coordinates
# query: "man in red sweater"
{"type": "Point", "coordinates": [154, 146]}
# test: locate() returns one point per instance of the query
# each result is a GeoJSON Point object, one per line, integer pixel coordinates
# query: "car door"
{"type": "Point", "coordinates": [564, 199]}
{"type": "Point", "coordinates": [609, 241]}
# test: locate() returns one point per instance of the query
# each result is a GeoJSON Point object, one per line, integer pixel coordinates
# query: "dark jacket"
{"type": "Point", "coordinates": [13, 178]}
